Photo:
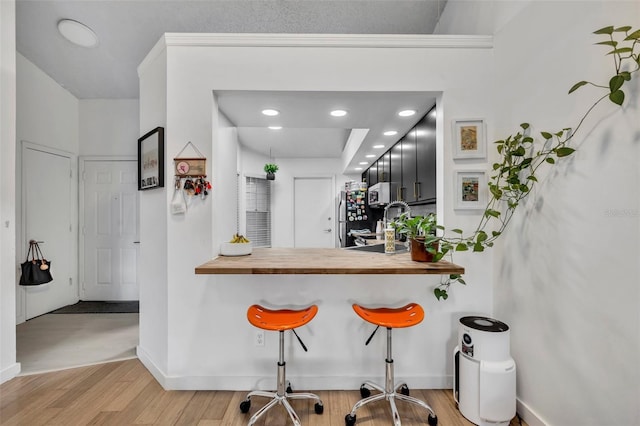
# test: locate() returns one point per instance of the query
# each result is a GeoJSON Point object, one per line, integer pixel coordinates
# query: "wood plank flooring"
{"type": "Point", "coordinates": [125, 393]}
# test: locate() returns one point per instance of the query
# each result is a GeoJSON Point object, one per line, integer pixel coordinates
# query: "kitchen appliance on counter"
{"type": "Point", "coordinates": [353, 214]}
{"type": "Point", "coordinates": [484, 380]}
{"type": "Point", "coordinates": [380, 194]}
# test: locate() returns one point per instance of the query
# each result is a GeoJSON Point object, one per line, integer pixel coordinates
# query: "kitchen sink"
{"type": "Point", "coordinates": [378, 248]}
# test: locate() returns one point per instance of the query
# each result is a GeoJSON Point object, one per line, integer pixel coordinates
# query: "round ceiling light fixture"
{"type": "Point", "coordinates": [338, 113]}
{"type": "Point", "coordinates": [378, 146]}
{"type": "Point", "coordinates": [77, 33]}
{"type": "Point", "coordinates": [270, 112]}
{"type": "Point", "coordinates": [407, 113]}
{"type": "Point", "coordinates": [390, 133]}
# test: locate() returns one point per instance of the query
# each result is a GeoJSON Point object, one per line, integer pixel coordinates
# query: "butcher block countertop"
{"type": "Point", "coordinates": [323, 261]}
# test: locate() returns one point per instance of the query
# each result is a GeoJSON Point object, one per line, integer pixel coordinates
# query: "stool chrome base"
{"type": "Point", "coordinates": [281, 396]}
{"type": "Point", "coordinates": [390, 392]}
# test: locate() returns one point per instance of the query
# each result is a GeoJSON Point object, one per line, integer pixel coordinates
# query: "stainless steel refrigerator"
{"type": "Point", "coordinates": [353, 214]}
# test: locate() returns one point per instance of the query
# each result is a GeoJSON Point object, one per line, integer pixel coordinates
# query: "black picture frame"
{"type": "Point", "coordinates": [151, 160]}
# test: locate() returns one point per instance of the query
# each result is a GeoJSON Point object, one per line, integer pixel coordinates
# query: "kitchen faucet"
{"type": "Point", "coordinates": [393, 203]}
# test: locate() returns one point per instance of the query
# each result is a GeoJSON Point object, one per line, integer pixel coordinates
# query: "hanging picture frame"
{"type": "Point", "coordinates": [470, 190]}
{"type": "Point", "coordinates": [469, 139]}
{"type": "Point", "coordinates": [151, 160]}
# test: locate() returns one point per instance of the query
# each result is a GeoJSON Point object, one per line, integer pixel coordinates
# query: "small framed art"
{"type": "Point", "coordinates": [151, 160]}
{"type": "Point", "coordinates": [469, 139]}
{"type": "Point", "coordinates": [470, 190]}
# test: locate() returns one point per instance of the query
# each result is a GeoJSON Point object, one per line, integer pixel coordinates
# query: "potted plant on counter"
{"type": "Point", "coordinates": [421, 233]}
{"type": "Point", "coordinates": [271, 170]}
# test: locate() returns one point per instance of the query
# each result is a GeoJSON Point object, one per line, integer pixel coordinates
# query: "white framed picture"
{"type": "Point", "coordinates": [470, 189]}
{"type": "Point", "coordinates": [469, 139]}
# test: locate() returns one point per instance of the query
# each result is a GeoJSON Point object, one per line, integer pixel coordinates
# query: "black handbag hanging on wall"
{"type": "Point", "coordinates": [37, 270]}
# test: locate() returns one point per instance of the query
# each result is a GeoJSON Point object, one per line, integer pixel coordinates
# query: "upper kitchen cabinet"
{"type": "Point", "coordinates": [384, 167]}
{"type": "Point", "coordinates": [425, 132]}
{"type": "Point", "coordinates": [409, 166]}
{"type": "Point", "coordinates": [371, 175]}
{"type": "Point", "coordinates": [396, 170]}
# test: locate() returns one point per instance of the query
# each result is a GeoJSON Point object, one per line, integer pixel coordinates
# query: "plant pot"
{"type": "Point", "coordinates": [271, 176]}
{"type": "Point", "coordinates": [419, 252]}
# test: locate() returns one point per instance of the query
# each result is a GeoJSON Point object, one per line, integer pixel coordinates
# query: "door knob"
{"type": "Point", "coordinates": [327, 230]}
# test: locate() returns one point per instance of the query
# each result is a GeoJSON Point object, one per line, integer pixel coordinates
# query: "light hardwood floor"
{"type": "Point", "coordinates": [125, 393]}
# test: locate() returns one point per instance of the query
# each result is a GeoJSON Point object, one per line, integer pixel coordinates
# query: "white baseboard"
{"type": "Point", "coordinates": [10, 372]}
{"type": "Point", "coordinates": [528, 415]}
{"type": "Point", "coordinates": [239, 383]}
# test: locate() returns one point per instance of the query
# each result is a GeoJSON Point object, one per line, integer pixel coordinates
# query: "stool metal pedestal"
{"type": "Point", "coordinates": [280, 320]}
{"type": "Point", "coordinates": [406, 316]}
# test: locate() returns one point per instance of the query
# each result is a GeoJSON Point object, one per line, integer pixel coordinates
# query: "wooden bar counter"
{"type": "Point", "coordinates": [323, 261]}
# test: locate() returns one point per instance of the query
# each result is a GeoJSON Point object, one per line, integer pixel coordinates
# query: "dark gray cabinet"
{"type": "Point", "coordinates": [426, 158]}
{"type": "Point", "coordinates": [410, 163]}
{"type": "Point", "coordinates": [396, 170]}
{"type": "Point", "coordinates": [371, 175]}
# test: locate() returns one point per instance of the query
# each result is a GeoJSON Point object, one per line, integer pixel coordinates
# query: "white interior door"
{"type": "Point", "coordinates": [109, 230]}
{"type": "Point", "coordinates": [313, 212]}
{"type": "Point", "coordinates": [48, 213]}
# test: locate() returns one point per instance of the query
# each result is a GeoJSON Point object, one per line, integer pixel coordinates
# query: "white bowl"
{"type": "Point", "coordinates": [235, 249]}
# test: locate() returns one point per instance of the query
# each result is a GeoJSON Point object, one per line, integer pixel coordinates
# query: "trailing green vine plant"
{"type": "Point", "coordinates": [520, 157]}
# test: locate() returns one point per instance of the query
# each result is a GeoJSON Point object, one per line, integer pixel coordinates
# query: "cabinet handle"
{"type": "Point", "coordinates": [402, 193]}
{"type": "Point", "coordinates": [399, 193]}
{"type": "Point", "coordinates": [416, 192]}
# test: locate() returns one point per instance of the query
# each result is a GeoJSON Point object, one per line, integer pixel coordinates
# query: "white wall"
{"type": "Point", "coordinates": [567, 270]}
{"type": "Point", "coordinates": [8, 366]}
{"type": "Point", "coordinates": [109, 127]}
{"type": "Point", "coordinates": [152, 265]}
{"type": "Point", "coordinates": [47, 115]}
{"type": "Point", "coordinates": [208, 341]}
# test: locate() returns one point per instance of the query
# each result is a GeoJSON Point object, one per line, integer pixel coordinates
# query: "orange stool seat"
{"type": "Point", "coordinates": [281, 319]}
{"type": "Point", "coordinates": [406, 316]}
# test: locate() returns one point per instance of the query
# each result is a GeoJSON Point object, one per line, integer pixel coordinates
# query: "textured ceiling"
{"type": "Point", "coordinates": [128, 29]}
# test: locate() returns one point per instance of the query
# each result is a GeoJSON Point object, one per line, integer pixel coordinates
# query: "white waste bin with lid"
{"type": "Point", "coordinates": [484, 372]}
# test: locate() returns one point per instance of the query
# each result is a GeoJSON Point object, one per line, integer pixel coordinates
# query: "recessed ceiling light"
{"type": "Point", "coordinates": [275, 127]}
{"type": "Point", "coordinates": [363, 162]}
{"type": "Point", "coordinates": [338, 113]}
{"type": "Point", "coordinates": [358, 168]}
{"type": "Point", "coordinates": [378, 146]}
{"type": "Point", "coordinates": [390, 133]}
{"type": "Point", "coordinates": [77, 33]}
{"type": "Point", "coordinates": [406, 113]}
{"type": "Point", "coordinates": [270, 112]}
{"type": "Point", "coordinates": [370, 155]}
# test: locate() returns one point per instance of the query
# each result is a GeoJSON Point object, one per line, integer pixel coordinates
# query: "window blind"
{"type": "Point", "coordinates": [258, 211]}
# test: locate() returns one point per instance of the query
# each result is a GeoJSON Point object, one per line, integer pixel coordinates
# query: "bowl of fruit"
{"type": "Point", "coordinates": [239, 245]}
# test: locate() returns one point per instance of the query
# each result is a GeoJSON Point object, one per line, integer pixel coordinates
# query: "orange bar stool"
{"type": "Point", "coordinates": [406, 316]}
{"type": "Point", "coordinates": [280, 320]}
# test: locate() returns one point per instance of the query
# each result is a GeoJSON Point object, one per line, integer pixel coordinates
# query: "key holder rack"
{"type": "Point", "coordinates": [190, 179]}
{"type": "Point", "coordinates": [190, 167]}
